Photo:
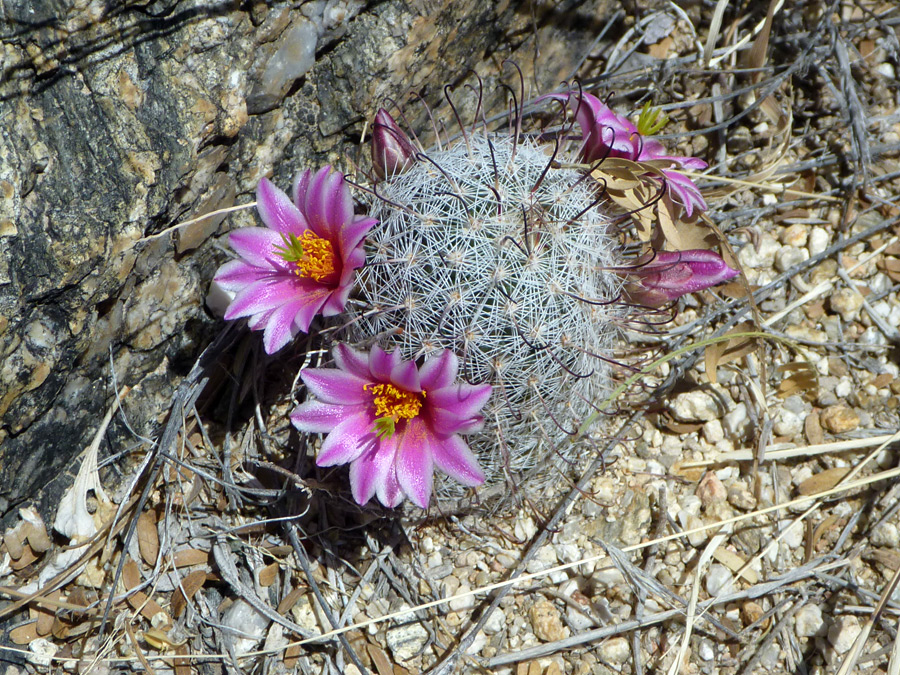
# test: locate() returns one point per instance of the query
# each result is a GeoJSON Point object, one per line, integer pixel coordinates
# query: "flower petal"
{"type": "Point", "coordinates": [235, 274]}
{"type": "Point", "coordinates": [454, 458]}
{"type": "Point", "coordinates": [328, 206]}
{"type": "Point", "coordinates": [261, 296]}
{"type": "Point", "coordinates": [405, 375]}
{"type": "Point", "coordinates": [277, 211]}
{"type": "Point", "coordinates": [351, 361]}
{"type": "Point", "coordinates": [317, 417]}
{"type": "Point", "coordinates": [348, 440]}
{"type": "Point", "coordinates": [381, 363]}
{"type": "Point", "coordinates": [335, 386]}
{"type": "Point", "coordinates": [257, 246]}
{"type": "Point", "coordinates": [369, 472]}
{"type": "Point", "coordinates": [389, 492]}
{"type": "Point", "coordinates": [439, 371]}
{"type": "Point", "coordinates": [415, 467]}
{"type": "Point", "coordinates": [280, 327]}
{"type": "Point", "coordinates": [462, 401]}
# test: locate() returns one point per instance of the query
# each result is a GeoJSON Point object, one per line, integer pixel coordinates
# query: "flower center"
{"type": "Point", "coordinates": [393, 405]}
{"type": "Point", "coordinates": [312, 256]}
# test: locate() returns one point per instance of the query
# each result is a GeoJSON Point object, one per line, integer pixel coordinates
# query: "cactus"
{"type": "Point", "coordinates": [486, 249]}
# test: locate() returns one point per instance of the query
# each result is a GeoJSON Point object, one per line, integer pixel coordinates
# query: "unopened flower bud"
{"type": "Point", "coordinates": [392, 151]}
{"type": "Point", "coordinates": [671, 274]}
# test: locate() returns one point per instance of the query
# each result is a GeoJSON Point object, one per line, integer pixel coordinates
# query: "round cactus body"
{"type": "Point", "coordinates": [485, 248]}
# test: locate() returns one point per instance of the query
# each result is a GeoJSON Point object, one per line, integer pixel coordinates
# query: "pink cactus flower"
{"type": "Point", "coordinates": [670, 274]}
{"type": "Point", "coordinates": [393, 422]}
{"type": "Point", "coordinates": [606, 134]}
{"type": "Point", "coordinates": [392, 151]}
{"type": "Point", "coordinates": [302, 263]}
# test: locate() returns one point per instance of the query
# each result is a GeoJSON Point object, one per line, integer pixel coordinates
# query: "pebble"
{"type": "Point", "coordinates": [496, 622]}
{"type": "Point", "coordinates": [818, 241]}
{"type": "Point", "coordinates": [706, 651]}
{"type": "Point", "coordinates": [406, 642]}
{"type": "Point", "coordinates": [846, 302]}
{"type": "Point", "coordinates": [886, 535]}
{"type": "Point", "coordinates": [713, 432]}
{"type": "Point", "coordinates": [808, 621]}
{"type": "Point", "coordinates": [795, 235]}
{"type": "Point", "coordinates": [788, 256]}
{"type": "Point", "coordinates": [719, 580]}
{"type": "Point", "coordinates": [764, 257]}
{"type": "Point", "coordinates": [788, 423]}
{"type": "Point", "coordinates": [736, 423]}
{"type": "Point", "coordinates": [546, 621]}
{"type": "Point", "coordinates": [695, 406]}
{"type": "Point", "coordinates": [843, 632]}
{"type": "Point", "coordinates": [839, 419]}
{"type": "Point", "coordinates": [710, 490]}
{"type": "Point", "coordinates": [615, 650]}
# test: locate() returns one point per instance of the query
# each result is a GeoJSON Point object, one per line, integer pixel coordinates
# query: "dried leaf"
{"type": "Point", "coordinates": [189, 586]}
{"type": "Point", "coordinates": [291, 656]}
{"type": "Point", "coordinates": [734, 562]}
{"type": "Point", "coordinates": [813, 429]}
{"type": "Point", "coordinates": [160, 640]}
{"type": "Point", "coordinates": [148, 537]}
{"type": "Point", "coordinates": [728, 350]}
{"type": "Point", "coordinates": [290, 600]}
{"type": "Point", "coordinates": [379, 660]}
{"type": "Point", "coordinates": [24, 634]}
{"type": "Point", "coordinates": [802, 379]}
{"type": "Point", "coordinates": [190, 556]}
{"type": "Point", "coordinates": [824, 480]}
{"type": "Point", "coordinates": [148, 607]}
{"type": "Point", "coordinates": [823, 527]}
{"type": "Point", "coordinates": [268, 575]}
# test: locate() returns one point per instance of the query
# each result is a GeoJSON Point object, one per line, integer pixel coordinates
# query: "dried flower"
{"type": "Point", "coordinates": [607, 134]}
{"type": "Point", "coordinates": [302, 263]}
{"type": "Point", "coordinates": [670, 274]}
{"type": "Point", "coordinates": [393, 421]}
{"type": "Point", "coordinates": [392, 151]}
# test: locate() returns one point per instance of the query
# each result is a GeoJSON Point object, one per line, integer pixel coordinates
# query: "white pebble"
{"type": "Point", "coordinates": [695, 406]}
{"type": "Point", "coordinates": [818, 241]}
{"type": "Point", "coordinates": [719, 580]}
{"type": "Point", "coordinates": [843, 633]}
{"type": "Point", "coordinates": [808, 621]}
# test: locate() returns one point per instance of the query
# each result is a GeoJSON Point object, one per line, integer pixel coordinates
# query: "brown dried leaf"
{"type": "Point", "coordinates": [728, 350]}
{"type": "Point", "coordinates": [801, 379]}
{"type": "Point", "coordinates": [823, 527]}
{"type": "Point", "coordinates": [379, 660]}
{"type": "Point", "coordinates": [734, 562]}
{"type": "Point", "coordinates": [824, 480]}
{"type": "Point", "coordinates": [291, 656]}
{"type": "Point", "coordinates": [148, 537]}
{"type": "Point", "coordinates": [192, 583]}
{"type": "Point", "coordinates": [268, 575]}
{"type": "Point", "coordinates": [290, 600]}
{"type": "Point", "coordinates": [148, 607]}
{"type": "Point", "coordinates": [24, 634]}
{"type": "Point", "coordinates": [813, 429]}
{"type": "Point", "coordinates": [190, 556]}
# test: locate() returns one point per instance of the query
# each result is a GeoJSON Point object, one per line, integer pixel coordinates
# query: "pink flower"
{"type": "Point", "coordinates": [393, 422]}
{"type": "Point", "coordinates": [392, 151]}
{"type": "Point", "coordinates": [302, 263]}
{"type": "Point", "coordinates": [606, 134]}
{"type": "Point", "coordinates": [670, 274]}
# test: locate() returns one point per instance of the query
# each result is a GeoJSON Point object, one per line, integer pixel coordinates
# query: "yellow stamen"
{"type": "Point", "coordinates": [393, 405]}
{"type": "Point", "coordinates": [312, 255]}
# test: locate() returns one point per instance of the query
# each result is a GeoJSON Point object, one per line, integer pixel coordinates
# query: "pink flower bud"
{"type": "Point", "coordinates": [392, 151]}
{"type": "Point", "coordinates": [670, 274]}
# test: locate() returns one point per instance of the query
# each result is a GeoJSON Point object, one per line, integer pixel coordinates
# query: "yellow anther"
{"type": "Point", "coordinates": [312, 255]}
